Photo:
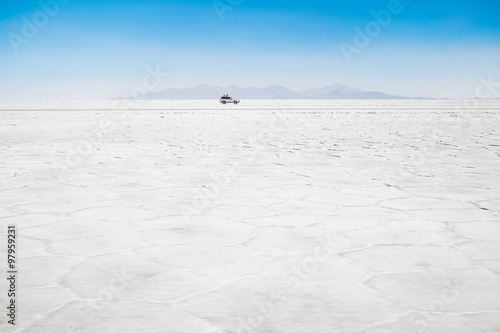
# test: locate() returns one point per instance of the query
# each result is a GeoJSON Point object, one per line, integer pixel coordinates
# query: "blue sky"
{"type": "Point", "coordinates": [102, 49]}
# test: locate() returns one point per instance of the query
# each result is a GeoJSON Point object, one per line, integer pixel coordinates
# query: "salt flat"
{"type": "Point", "coordinates": [268, 216]}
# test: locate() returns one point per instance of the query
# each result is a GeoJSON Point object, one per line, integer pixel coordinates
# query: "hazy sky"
{"type": "Point", "coordinates": [75, 49]}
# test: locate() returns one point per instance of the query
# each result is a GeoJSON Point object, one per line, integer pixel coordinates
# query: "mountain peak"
{"type": "Point", "coordinates": [205, 91]}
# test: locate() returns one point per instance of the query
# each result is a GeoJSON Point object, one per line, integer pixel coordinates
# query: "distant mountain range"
{"type": "Point", "coordinates": [336, 91]}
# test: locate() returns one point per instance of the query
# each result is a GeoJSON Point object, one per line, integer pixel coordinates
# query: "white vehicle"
{"type": "Point", "coordinates": [226, 99]}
